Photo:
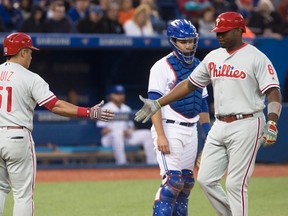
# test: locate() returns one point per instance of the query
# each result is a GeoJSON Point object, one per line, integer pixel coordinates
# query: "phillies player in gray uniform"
{"type": "Point", "coordinates": [241, 76]}
{"type": "Point", "coordinates": [20, 91]}
{"type": "Point", "coordinates": [174, 129]}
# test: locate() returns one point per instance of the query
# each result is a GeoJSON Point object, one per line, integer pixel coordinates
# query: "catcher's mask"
{"type": "Point", "coordinates": [182, 29]}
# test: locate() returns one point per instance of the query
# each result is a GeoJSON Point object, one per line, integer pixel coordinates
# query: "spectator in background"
{"type": "Point", "coordinates": [73, 96]}
{"type": "Point", "coordinates": [207, 22]}
{"type": "Point", "coordinates": [157, 22]}
{"type": "Point", "coordinates": [283, 11]}
{"type": "Point", "coordinates": [78, 10]}
{"type": "Point", "coordinates": [104, 4]}
{"type": "Point", "coordinates": [222, 6]}
{"type": "Point", "coordinates": [110, 20]}
{"type": "Point", "coordinates": [192, 9]}
{"type": "Point", "coordinates": [119, 133]}
{"type": "Point", "coordinates": [263, 20]}
{"type": "Point", "coordinates": [126, 11]}
{"type": "Point", "coordinates": [140, 24]}
{"type": "Point", "coordinates": [25, 7]}
{"type": "Point", "coordinates": [11, 17]}
{"type": "Point", "coordinates": [35, 23]}
{"type": "Point", "coordinates": [2, 28]}
{"type": "Point", "coordinates": [93, 22]}
{"type": "Point", "coordinates": [57, 21]}
{"type": "Point", "coordinates": [272, 19]}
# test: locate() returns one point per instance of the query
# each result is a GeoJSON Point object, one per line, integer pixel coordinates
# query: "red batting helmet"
{"type": "Point", "coordinates": [16, 41]}
{"type": "Point", "coordinates": [229, 20]}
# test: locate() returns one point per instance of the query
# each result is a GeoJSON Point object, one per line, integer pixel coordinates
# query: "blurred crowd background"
{"type": "Point", "coordinates": [268, 18]}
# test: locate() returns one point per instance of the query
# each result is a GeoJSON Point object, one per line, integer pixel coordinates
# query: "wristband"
{"type": "Point", "coordinates": [206, 127]}
{"type": "Point", "coordinates": [83, 112]}
{"type": "Point", "coordinates": [274, 107]}
{"type": "Point", "coordinates": [158, 104]}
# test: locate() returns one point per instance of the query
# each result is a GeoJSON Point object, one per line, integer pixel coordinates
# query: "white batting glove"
{"type": "Point", "coordinates": [269, 133]}
{"type": "Point", "coordinates": [149, 108]}
{"type": "Point", "coordinates": [96, 112]}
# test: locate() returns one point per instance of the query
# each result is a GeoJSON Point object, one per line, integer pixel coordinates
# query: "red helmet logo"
{"type": "Point", "coordinates": [229, 20]}
{"type": "Point", "coordinates": [16, 41]}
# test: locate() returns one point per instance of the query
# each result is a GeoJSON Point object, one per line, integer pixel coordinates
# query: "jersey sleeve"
{"type": "Point", "coordinates": [265, 74]}
{"type": "Point", "coordinates": [157, 81]}
{"type": "Point", "coordinates": [40, 91]}
{"type": "Point", "coordinates": [200, 76]}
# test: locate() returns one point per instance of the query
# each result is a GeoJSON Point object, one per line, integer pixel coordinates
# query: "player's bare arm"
{"type": "Point", "coordinates": [64, 108]}
{"type": "Point", "coordinates": [274, 95]}
{"type": "Point", "coordinates": [180, 90]}
{"type": "Point", "coordinates": [274, 110]}
{"type": "Point", "coordinates": [162, 141]}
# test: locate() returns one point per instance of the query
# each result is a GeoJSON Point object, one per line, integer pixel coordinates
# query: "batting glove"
{"type": "Point", "coordinates": [96, 112]}
{"type": "Point", "coordinates": [148, 110]}
{"type": "Point", "coordinates": [270, 133]}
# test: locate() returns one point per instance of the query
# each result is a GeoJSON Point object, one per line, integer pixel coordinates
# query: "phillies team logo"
{"type": "Point", "coordinates": [225, 71]}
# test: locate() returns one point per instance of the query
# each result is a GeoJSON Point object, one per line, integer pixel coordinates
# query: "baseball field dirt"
{"type": "Point", "coordinates": [106, 174]}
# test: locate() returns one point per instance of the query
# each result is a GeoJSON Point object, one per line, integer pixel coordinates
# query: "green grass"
{"type": "Point", "coordinates": [267, 197]}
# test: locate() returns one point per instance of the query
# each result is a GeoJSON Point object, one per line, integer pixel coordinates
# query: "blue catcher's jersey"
{"type": "Point", "coordinates": [190, 105]}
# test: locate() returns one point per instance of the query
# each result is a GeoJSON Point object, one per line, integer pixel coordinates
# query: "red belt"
{"type": "Point", "coordinates": [231, 118]}
{"type": "Point", "coordinates": [11, 127]}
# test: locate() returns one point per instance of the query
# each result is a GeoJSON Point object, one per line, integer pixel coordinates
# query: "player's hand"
{"type": "Point", "coordinates": [269, 133]}
{"type": "Point", "coordinates": [149, 109]}
{"type": "Point", "coordinates": [198, 161]}
{"type": "Point", "coordinates": [163, 144]}
{"type": "Point", "coordinates": [96, 112]}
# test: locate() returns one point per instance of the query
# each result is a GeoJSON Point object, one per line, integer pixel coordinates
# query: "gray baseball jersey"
{"type": "Point", "coordinates": [240, 79]}
{"type": "Point", "coordinates": [20, 91]}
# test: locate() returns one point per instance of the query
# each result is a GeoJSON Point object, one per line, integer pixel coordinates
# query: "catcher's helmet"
{"type": "Point", "coordinates": [182, 29]}
{"type": "Point", "coordinates": [16, 41]}
{"type": "Point", "coordinates": [229, 20]}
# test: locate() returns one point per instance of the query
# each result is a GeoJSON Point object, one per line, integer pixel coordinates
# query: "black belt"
{"type": "Point", "coordinates": [186, 124]}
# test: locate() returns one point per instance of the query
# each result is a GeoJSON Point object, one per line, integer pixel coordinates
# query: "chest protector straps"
{"type": "Point", "coordinates": [190, 105]}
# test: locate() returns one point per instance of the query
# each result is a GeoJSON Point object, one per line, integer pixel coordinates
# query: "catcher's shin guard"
{"type": "Point", "coordinates": [181, 205]}
{"type": "Point", "coordinates": [168, 193]}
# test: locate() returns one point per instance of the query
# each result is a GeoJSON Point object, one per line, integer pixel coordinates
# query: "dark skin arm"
{"type": "Point", "coordinates": [180, 91]}
{"type": "Point", "coordinates": [273, 95]}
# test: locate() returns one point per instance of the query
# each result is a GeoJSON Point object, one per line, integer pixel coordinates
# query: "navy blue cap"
{"type": "Point", "coordinates": [117, 89]}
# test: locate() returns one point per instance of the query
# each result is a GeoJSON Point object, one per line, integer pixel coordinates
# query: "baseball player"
{"type": "Point", "coordinates": [20, 91]}
{"type": "Point", "coordinates": [121, 131]}
{"type": "Point", "coordinates": [174, 129]}
{"type": "Point", "coordinates": [241, 76]}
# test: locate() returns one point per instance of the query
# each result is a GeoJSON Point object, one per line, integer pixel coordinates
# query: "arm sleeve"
{"type": "Point", "coordinates": [200, 76]}
{"type": "Point", "coordinates": [266, 74]}
{"type": "Point", "coordinates": [154, 95]}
